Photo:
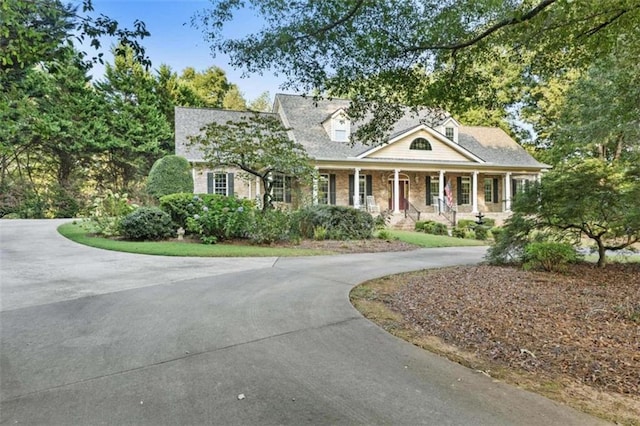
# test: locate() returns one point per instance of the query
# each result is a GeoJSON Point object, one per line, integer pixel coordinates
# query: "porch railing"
{"type": "Point", "coordinates": [411, 212]}
{"type": "Point", "coordinates": [449, 212]}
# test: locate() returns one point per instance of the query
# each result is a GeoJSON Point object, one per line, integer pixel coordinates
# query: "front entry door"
{"type": "Point", "coordinates": [403, 192]}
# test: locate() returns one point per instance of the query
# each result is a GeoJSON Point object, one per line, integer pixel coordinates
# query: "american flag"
{"type": "Point", "coordinates": [448, 193]}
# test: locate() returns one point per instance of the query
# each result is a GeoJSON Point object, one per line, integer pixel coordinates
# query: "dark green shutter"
{"type": "Point", "coordinates": [459, 189]}
{"type": "Point", "coordinates": [427, 182]}
{"type": "Point", "coordinates": [209, 182]}
{"type": "Point", "coordinates": [351, 178]}
{"type": "Point", "coordinates": [495, 190]}
{"type": "Point", "coordinates": [230, 189]}
{"type": "Point", "coordinates": [369, 185]}
{"type": "Point", "coordinates": [332, 189]}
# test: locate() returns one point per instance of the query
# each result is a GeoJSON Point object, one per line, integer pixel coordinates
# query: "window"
{"type": "Point", "coordinates": [434, 189]}
{"type": "Point", "coordinates": [281, 188]}
{"type": "Point", "coordinates": [488, 191]}
{"type": "Point", "coordinates": [465, 190]}
{"type": "Point", "coordinates": [220, 183]}
{"type": "Point", "coordinates": [420, 144]}
{"type": "Point", "coordinates": [323, 189]}
{"type": "Point", "coordinates": [448, 132]}
{"type": "Point", "coordinates": [362, 188]}
{"type": "Point", "coordinates": [340, 135]}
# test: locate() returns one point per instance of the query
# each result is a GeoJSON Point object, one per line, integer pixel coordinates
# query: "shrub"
{"type": "Point", "coordinates": [419, 226]}
{"type": "Point", "coordinates": [386, 235]}
{"type": "Point", "coordinates": [320, 233]}
{"type": "Point", "coordinates": [169, 175]}
{"type": "Point", "coordinates": [439, 229]}
{"type": "Point", "coordinates": [549, 256]}
{"type": "Point", "coordinates": [482, 232]}
{"type": "Point", "coordinates": [496, 232]}
{"type": "Point", "coordinates": [466, 223]}
{"type": "Point", "coordinates": [181, 206]}
{"type": "Point", "coordinates": [489, 222]}
{"type": "Point", "coordinates": [147, 223]}
{"type": "Point", "coordinates": [270, 226]}
{"type": "Point", "coordinates": [219, 217]}
{"type": "Point", "coordinates": [341, 223]}
{"type": "Point", "coordinates": [107, 212]}
{"type": "Point", "coordinates": [458, 232]}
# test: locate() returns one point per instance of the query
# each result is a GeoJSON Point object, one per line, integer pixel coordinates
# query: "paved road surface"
{"type": "Point", "coordinates": [96, 337]}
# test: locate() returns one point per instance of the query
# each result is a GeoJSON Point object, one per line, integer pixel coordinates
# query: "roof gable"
{"type": "Point", "coordinates": [442, 148]}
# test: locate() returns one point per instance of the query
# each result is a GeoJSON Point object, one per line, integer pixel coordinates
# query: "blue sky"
{"type": "Point", "coordinates": [176, 43]}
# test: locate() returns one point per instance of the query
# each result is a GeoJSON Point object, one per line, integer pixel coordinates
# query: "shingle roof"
{"type": "Point", "coordinates": [305, 117]}
{"type": "Point", "coordinates": [189, 121]}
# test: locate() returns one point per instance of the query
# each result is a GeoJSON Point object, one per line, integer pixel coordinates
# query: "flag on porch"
{"type": "Point", "coordinates": [448, 193]}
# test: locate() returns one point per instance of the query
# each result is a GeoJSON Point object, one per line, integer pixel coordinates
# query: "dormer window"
{"type": "Point", "coordinates": [420, 144]}
{"type": "Point", "coordinates": [340, 126]}
{"type": "Point", "coordinates": [448, 132]}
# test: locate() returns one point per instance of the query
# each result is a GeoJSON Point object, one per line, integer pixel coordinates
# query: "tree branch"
{"type": "Point", "coordinates": [486, 33]}
{"type": "Point", "coordinates": [334, 24]}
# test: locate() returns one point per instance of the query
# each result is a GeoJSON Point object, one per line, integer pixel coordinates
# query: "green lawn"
{"type": "Point", "coordinates": [80, 234]}
{"type": "Point", "coordinates": [427, 240]}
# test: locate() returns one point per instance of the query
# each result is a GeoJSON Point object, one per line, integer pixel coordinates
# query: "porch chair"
{"type": "Point", "coordinates": [372, 207]}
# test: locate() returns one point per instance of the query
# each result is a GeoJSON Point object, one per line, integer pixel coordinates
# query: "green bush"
{"type": "Point", "coordinates": [181, 206]}
{"type": "Point", "coordinates": [458, 232]}
{"type": "Point", "coordinates": [482, 232]}
{"type": "Point", "coordinates": [419, 226]}
{"type": "Point", "coordinates": [341, 223]}
{"type": "Point", "coordinates": [219, 217]}
{"type": "Point", "coordinates": [489, 222]}
{"type": "Point", "coordinates": [107, 211]}
{"type": "Point", "coordinates": [439, 229]}
{"type": "Point", "coordinates": [549, 256]}
{"type": "Point", "coordinates": [270, 226]}
{"type": "Point", "coordinates": [170, 175]}
{"type": "Point", "coordinates": [496, 232]}
{"type": "Point", "coordinates": [466, 223]}
{"type": "Point", "coordinates": [147, 223]}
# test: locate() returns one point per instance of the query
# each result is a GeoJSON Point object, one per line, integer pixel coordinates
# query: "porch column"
{"type": "Point", "coordinates": [356, 188]}
{"type": "Point", "coordinates": [474, 192]}
{"type": "Point", "coordinates": [396, 191]}
{"type": "Point", "coordinates": [314, 190]}
{"type": "Point", "coordinates": [507, 192]}
{"type": "Point", "coordinates": [440, 189]}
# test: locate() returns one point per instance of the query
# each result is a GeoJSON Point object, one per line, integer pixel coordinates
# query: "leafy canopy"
{"type": "Point", "coordinates": [257, 144]}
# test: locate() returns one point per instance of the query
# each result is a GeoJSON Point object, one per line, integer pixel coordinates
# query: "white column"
{"type": "Point", "coordinates": [396, 191]}
{"type": "Point", "coordinates": [314, 190]}
{"type": "Point", "coordinates": [441, 187]}
{"type": "Point", "coordinates": [474, 193]}
{"type": "Point", "coordinates": [356, 188]}
{"type": "Point", "coordinates": [507, 192]}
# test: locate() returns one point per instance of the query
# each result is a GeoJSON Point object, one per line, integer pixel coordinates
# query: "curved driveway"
{"type": "Point", "coordinates": [96, 337]}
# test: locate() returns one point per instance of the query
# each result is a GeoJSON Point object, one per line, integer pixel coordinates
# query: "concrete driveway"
{"type": "Point", "coordinates": [96, 337]}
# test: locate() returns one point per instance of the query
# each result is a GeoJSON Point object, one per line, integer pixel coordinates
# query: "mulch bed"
{"type": "Point", "coordinates": [584, 324]}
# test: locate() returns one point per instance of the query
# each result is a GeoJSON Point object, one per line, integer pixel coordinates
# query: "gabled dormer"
{"type": "Point", "coordinates": [449, 128]}
{"type": "Point", "coordinates": [338, 126]}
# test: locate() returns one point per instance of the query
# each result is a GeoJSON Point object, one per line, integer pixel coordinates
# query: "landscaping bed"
{"type": "Point", "coordinates": [572, 336]}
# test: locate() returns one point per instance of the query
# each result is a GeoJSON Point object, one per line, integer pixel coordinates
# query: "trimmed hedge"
{"type": "Point", "coordinates": [339, 222]}
{"type": "Point", "coordinates": [147, 223]}
{"type": "Point", "coordinates": [169, 175]}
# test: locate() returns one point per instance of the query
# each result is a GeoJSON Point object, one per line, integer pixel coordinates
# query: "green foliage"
{"type": "Point", "coordinates": [432, 227]}
{"type": "Point", "coordinates": [384, 234]}
{"type": "Point", "coordinates": [219, 218]}
{"type": "Point", "coordinates": [181, 206]}
{"type": "Point", "coordinates": [257, 144]}
{"type": "Point", "coordinates": [270, 226]}
{"type": "Point", "coordinates": [170, 174]}
{"type": "Point", "coordinates": [481, 232]}
{"type": "Point", "coordinates": [459, 232]}
{"type": "Point", "coordinates": [466, 223]}
{"type": "Point", "coordinates": [107, 212]}
{"type": "Point", "coordinates": [320, 233]}
{"type": "Point", "coordinates": [147, 224]}
{"type": "Point", "coordinates": [549, 256]}
{"type": "Point", "coordinates": [341, 223]}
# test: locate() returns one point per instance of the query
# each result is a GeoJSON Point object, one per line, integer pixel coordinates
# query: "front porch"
{"type": "Point", "coordinates": [429, 194]}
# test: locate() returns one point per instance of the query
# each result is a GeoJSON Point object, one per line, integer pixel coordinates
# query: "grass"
{"type": "Point", "coordinates": [430, 241]}
{"type": "Point", "coordinates": [78, 233]}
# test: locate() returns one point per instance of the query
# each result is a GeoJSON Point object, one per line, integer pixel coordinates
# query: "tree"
{"type": "Point", "coordinates": [233, 99]}
{"type": "Point", "coordinates": [587, 197]}
{"type": "Point", "coordinates": [381, 51]}
{"type": "Point", "coordinates": [170, 174]}
{"type": "Point", "coordinates": [262, 103]}
{"type": "Point", "coordinates": [138, 129]}
{"type": "Point", "coordinates": [210, 86]}
{"type": "Point", "coordinates": [257, 144]}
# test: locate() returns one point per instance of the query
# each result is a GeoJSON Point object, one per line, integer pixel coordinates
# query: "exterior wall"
{"type": "Point", "coordinates": [439, 150]}
{"type": "Point", "coordinates": [243, 186]}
